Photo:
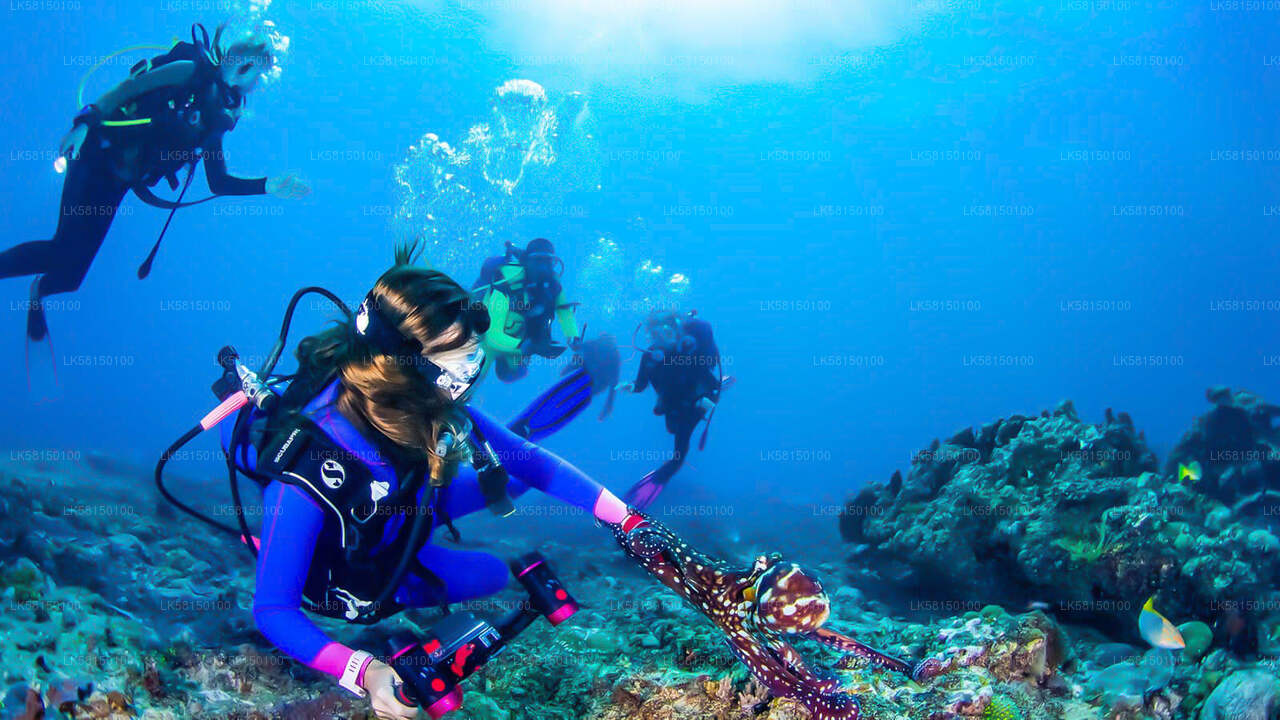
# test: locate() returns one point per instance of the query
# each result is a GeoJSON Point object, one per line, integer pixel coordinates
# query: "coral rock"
{"type": "Point", "coordinates": [1244, 695]}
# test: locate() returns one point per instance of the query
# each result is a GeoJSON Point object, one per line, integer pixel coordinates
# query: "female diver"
{"type": "Point", "coordinates": [382, 436]}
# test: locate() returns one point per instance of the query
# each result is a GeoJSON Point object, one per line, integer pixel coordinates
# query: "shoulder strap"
{"type": "Point", "coordinates": [336, 477]}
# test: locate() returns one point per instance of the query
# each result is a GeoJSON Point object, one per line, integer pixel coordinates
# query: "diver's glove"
{"type": "Point", "coordinates": [88, 117]}
{"type": "Point", "coordinates": [288, 186]}
{"type": "Point", "coordinates": [71, 143]}
{"type": "Point", "coordinates": [547, 349]}
{"type": "Point", "coordinates": [380, 681]}
{"type": "Point", "coordinates": [706, 404]}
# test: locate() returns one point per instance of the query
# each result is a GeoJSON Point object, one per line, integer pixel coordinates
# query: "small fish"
{"type": "Point", "coordinates": [1190, 472]}
{"type": "Point", "coordinates": [1157, 630]}
{"type": "Point", "coordinates": [1038, 605]}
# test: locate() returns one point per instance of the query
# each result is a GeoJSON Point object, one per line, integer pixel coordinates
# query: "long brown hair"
{"type": "Point", "coordinates": [380, 392]}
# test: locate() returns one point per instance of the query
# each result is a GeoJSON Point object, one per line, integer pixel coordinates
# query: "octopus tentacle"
{"type": "Point", "coordinates": [844, 643]}
{"type": "Point", "coordinates": [784, 681]}
{"type": "Point", "coordinates": [792, 659]}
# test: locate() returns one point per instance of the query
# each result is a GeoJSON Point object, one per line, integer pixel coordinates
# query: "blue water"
{"type": "Point", "coordinates": [901, 219]}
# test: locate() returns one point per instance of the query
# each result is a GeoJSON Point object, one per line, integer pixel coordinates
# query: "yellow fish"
{"type": "Point", "coordinates": [1190, 472]}
{"type": "Point", "coordinates": [1157, 630]}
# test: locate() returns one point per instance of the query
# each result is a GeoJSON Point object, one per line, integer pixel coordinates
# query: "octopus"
{"type": "Point", "coordinates": [757, 608]}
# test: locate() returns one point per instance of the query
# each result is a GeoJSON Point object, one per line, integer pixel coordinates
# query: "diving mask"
{"type": "Point", "coordinates": [454, 371]}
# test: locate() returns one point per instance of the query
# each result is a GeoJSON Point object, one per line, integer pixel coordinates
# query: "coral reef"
{"type": "Point", "coordinates": [1244, 695]}
{"type": "Point", "coordinates": [1077, 519]}
{"type": "Point", "coordinates": [1053, 509]}
{"type": "Point", "coordinates": [1238, 449]}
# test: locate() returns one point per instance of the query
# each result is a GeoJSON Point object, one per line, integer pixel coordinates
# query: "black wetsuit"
{"type": "Point", "coordinates": [114, 160]}
{"type": "Point", "coordinates": [681, 379]}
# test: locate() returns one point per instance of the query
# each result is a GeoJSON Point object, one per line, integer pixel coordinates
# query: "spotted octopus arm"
{"type": "Point", "coordinates": [676, 564]}
{"type": "Point", "coordinates": [782, 680]}
{"type": "Point", "coordinates": [649, 549]}
{"type": "Point", "coordinates": [919, 672]}
{"type": "Point", "coordinates": [793, 661]}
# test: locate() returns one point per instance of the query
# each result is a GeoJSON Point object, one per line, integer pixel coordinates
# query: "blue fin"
{"type": "Point", "coordinates": [554, 408]}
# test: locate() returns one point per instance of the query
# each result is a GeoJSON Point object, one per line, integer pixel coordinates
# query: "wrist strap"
{"type": "Point", "coordinates": [356, 664]}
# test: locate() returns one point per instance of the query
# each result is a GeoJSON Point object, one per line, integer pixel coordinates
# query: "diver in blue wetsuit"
{"type": "Point", "coordinates": [380, 439]}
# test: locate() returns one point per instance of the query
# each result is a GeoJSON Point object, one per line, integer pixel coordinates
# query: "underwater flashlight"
{"type": "Point", "coordinates": [461, 643]}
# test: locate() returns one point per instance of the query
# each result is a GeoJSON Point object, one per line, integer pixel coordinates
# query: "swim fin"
{"type": "Point", "coordinates": [554, 408]}
{"type": "Point", "coordinates": [608, 405]}
{"type": "Point", "coordinates": [642, 494]}
{"type": "Point", "coordinates": [37, 326]}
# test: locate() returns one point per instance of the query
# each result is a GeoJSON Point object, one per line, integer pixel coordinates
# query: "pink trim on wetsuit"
{"type": "Point", "coordinates": [610, 508]}
{"type": "Point", "coordinates": [332, 659]}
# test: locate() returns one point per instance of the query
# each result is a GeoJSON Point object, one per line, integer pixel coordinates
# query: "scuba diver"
{"type": "Point", "coordinates": [171, 112]}
{"type": "Point", "coordinates": [523, 294]}
{"type": "Point", "coordinates": [372, 447]}
{"type": "Point", "coordinates": [683, 365]}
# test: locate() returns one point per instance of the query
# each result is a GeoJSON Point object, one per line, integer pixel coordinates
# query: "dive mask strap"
{"type": "Point", "coordinates": [372, 325]}
{"type": "Point", "coordinates": [453, 371]}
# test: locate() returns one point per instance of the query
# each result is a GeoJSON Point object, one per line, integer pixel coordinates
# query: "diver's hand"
{"type": "Point", "coordinates": [707, 404]}
{"type": "Point", "coordinates": [380, 681]}
{"type": "Point", "coordinates": [287, 186]}
{"type": "Point", "coordinates": [73, 141]}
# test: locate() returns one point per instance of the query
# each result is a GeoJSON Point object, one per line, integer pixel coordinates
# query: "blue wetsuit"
{"type": "Point", "coordinates": [299, 538]}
